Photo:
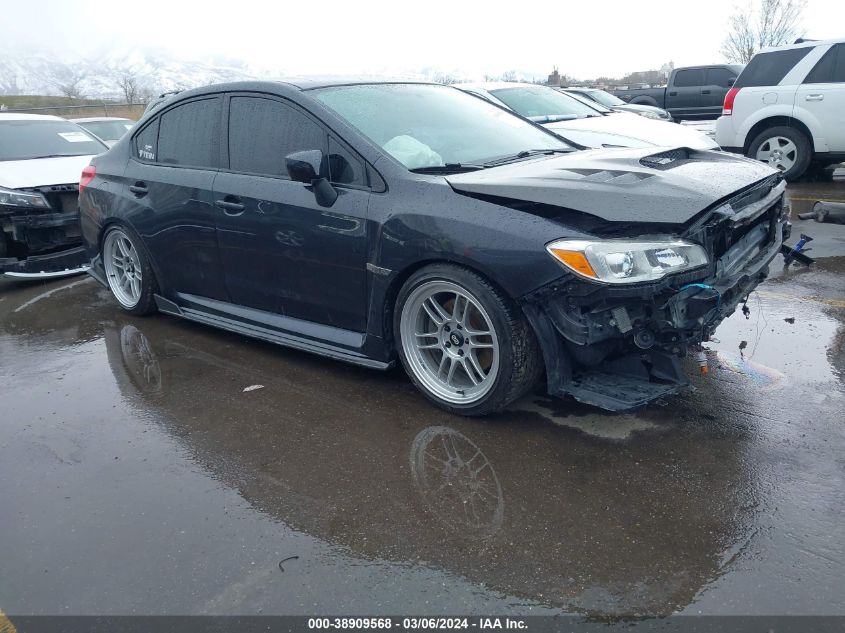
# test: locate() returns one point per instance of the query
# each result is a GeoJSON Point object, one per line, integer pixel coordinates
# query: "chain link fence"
{"type": "Point", "coordinates": [123, 110]}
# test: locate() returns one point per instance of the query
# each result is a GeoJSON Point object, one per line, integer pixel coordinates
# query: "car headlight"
{"type": "Point", "coordinates": [17, 198]}
{"type": "Point", "coordinates": [650, 115]}
{"type": "Point", "coordinates": [627, 261]}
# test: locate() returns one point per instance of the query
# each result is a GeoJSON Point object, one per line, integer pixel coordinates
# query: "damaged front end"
{"type": "Point", "coordinates": [40, 234]}
{"type": "Point", "coordinates": [620, 345]}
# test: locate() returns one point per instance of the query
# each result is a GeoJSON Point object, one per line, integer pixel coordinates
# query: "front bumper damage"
{"type": "Point", "coordinates": [42, 243]}
{"type": "Point", "coordinates": [620, 347]}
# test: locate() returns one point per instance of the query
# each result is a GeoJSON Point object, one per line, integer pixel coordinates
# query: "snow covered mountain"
{"type": "Point", "coordinates": [101, 76]}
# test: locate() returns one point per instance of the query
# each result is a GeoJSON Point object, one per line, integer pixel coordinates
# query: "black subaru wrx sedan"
{"type": "Point", "coordinates": [367, 221]}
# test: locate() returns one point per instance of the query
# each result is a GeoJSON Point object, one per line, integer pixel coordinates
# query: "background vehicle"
{"type": "Point", "coordinates": [107, 129]}
{"type": "Point", "coordinates": [585, 122]}
{"type": "Point", "coordinates": [369, 221]}
{"type": "Point", "coordinates": [41, 159]}
{"type": "Point", "coordinates": [788, 108]}
{"type": "Point", "coordinates": [694, 92]}
{"type": "Point", "coordinates": [615, 103]}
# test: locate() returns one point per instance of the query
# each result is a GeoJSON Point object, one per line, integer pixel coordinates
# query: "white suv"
{"type": "Point", "coordinates": [787, 107]}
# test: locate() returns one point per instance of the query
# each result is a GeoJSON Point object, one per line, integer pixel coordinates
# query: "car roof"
{"type": "Point", "coordinates": [497, 85]}
{"type": "Point", "coordinates": [22, 116]}
{"type": "Point", "coordinates": [94, 119]}
{"type": "Point", "coordinates": [803, 44]}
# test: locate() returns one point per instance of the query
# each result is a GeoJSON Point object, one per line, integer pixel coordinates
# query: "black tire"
{"type": "Point", "coordinates": [520, 361]}
{"type": "Point", "coordinates": [804, 151]}
{"type": "Point", "coordinates": [149, 285]}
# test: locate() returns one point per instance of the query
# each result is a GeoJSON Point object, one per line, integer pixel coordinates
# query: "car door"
{"type": "Point", "coordinates": [822, 96]}
{"type": "Point", "coordinates": [169, 183]}
{"type": "Point", "coordinates": [684, 95]}
{"type": "Point", "coordinates": [282, 252]}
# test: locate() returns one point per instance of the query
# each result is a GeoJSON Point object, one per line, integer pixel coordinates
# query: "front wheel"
{"type": "Point", "coordinates": [784, 148]}
{"type": "Point", "coordinates": [128, 272]}
{"type": "Point", "coordinates": [464, 344]}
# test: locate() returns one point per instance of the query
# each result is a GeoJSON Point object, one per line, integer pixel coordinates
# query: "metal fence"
{"type": "Point", "coordinates": [124, 110]}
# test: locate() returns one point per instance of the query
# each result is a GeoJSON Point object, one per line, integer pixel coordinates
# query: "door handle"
{"type": "Point", "coordinates": [139, 189]}
{"type": "Point", "coordinates": [705, 92]}
{"type": "Point", "coordinates": [814, 98]}
{"type": "Point", "coordinates": [230, 208]}
{"type": "Point", "coordinates": [673, 94]}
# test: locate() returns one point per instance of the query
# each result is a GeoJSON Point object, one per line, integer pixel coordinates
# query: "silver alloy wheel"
{"type": "Point", "coordinates": [780, 152]}
{"type": "Point", "coordinates": [449, 342]}
{"type": "Point", "coordinates": [123, 268]}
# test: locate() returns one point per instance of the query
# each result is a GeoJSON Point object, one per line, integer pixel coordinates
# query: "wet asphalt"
{"type": "Point", "coordinates": [140, 475]}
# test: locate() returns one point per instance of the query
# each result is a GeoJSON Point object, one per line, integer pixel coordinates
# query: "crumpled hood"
{"type": "Point", "coordinates": [630, 130]}
{"type": "Point", "coordinates": [621, 185]}
{"type": "Point", "coordinates": [40, 172]}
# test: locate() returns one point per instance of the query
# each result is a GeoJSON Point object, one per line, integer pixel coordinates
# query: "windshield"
{"type": "Point", "coordinates": [605, 98]}
{"type": "Point", "coordinates": [108, 130]}
{"type": "Point", "coordinates": [542, 101]}
{"type": "Point", "coordinates": [429, 126]}
{"type": "Point", "coordinates": [32, 138]}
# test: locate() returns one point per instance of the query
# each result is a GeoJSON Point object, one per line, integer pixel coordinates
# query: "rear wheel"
{"type": "Point", "coordinates": [784, 148]}
{"type": "Point", "coordinates": [128, 272]}
{"type": "Point", "coordinates": [464, 344]}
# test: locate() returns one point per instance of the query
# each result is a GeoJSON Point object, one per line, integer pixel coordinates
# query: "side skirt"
{"type": "Point", "coordinates": [273, 328]}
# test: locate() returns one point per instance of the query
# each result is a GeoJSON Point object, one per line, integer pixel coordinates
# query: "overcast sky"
{"type": "Point", "coordinates": [584, 39]}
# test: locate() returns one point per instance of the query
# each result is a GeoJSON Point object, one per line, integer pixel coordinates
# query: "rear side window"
{"type": "Point", "coordinates": [146, 142]}
{"type": "Point", "coordinates": [189, 134]}
{"type": "Point", "coordinates": [767, 69]}
{"type": "Point", "coordinates": [830, 68]}
{"type": "Point", "coordinates": [722, 77]}
{"type": "Point", "coordinates": [691, 77]}
{"type": "Point", "coordinates": [263, 131]}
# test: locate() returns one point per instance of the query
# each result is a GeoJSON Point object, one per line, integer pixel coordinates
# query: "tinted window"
{"type": "Point", "coordinates": [146, 142]}
{"type": "Point", "coordinates": [423, 125]}
{"type": "Point", "coordinates": [189, 133]}
{"type": "Point", "coordinates": [263, 131]}
{"type": "Point", "coordinates": [692, 77]}
{"type": "Point", "coordinates": [720, 77]}
{"type": "Point", "coordinates": [767, 69]}
{"type": "Point", "coordinates": [830, 68]}
{"type": "Point", "coordinates": [38, 138]}
{"type": "Point", "coordinates": [344, 167]}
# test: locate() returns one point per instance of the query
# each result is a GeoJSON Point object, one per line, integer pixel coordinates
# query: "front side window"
{"type": "Point", "coordinates": [424, 125]}
{"type": "Point", "coordinates": [263, 131]}
{"type": "Point", "coordinates": [344, 167]}
{"type": "Point", "coordinates": [25, 139]}
{"type": "Point", "coordinates": [768, 69]}
{"type": "Point", "coordinates": [189, 133]}
{"type": "Point", "coordinates": [689, 78]}
{"type": "Point", "coordinates": [540, 101]}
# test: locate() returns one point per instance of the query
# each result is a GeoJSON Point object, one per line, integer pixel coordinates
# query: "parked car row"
{"type": "Point", "coordinates": [384, 222]}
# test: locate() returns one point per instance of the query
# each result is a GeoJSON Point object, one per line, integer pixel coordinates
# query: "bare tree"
{"type": "Point", "coordinates": [772, 23]}
{"type": "Point", "coordinates": [71, 86]}
{"type": "Point", "coordinates": [509, 75]}
{"type": "Point", "coordinates": [129, 85]}
{"type": "Point", "coordinates": [444, 78]}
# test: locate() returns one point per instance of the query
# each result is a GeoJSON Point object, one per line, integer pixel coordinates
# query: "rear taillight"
{"type": "Point", "coordinates": [728, 106]}
{"type": "Point", "coordinates": [87, 176]}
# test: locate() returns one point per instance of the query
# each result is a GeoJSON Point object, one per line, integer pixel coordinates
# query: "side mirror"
{"type": "Point", "coordinates": [305, 167]}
